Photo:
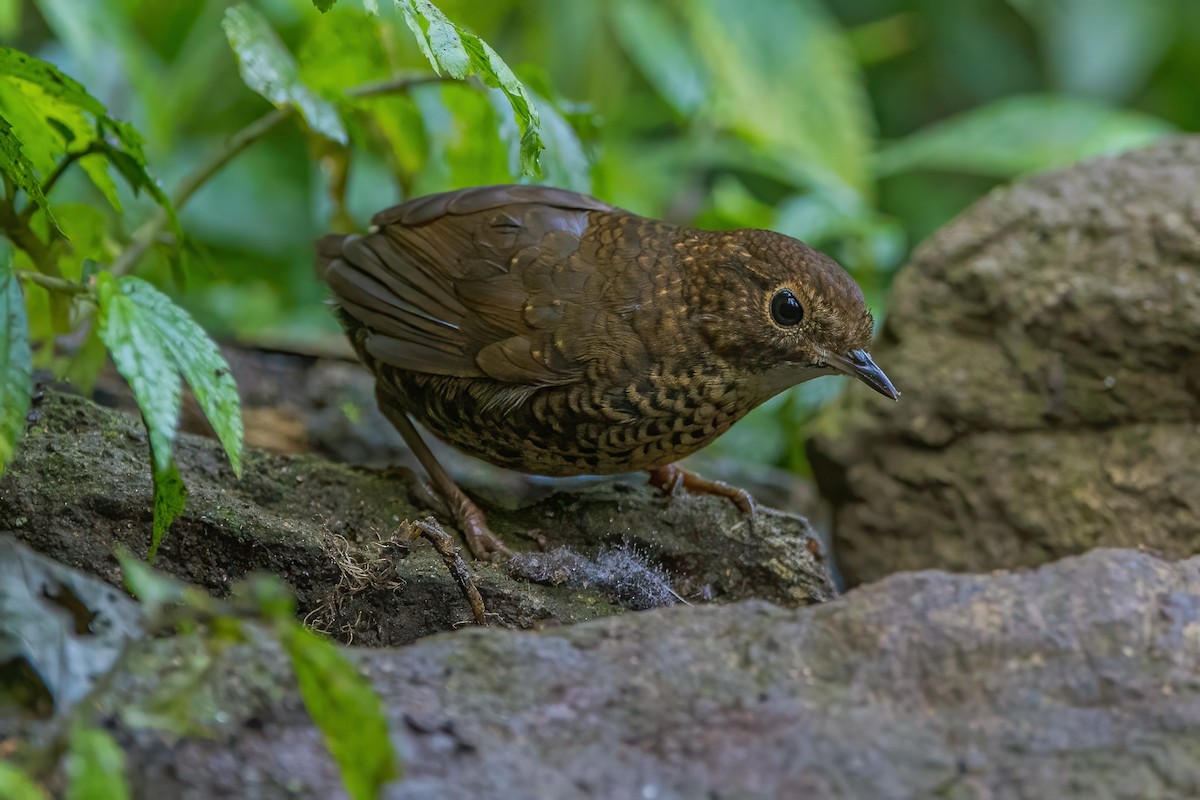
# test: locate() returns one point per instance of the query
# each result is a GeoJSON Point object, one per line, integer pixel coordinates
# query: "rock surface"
{"type": "Point", "coordinates": [1077, 680]}
{"type": "Point", "coordinates": [1048, 346]}
{"type": "Point", "coordinates": [81, 485]}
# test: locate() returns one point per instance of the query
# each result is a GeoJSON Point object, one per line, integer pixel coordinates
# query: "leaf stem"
{"type": "Point", "coordinates": [16, 227]}
{"type": "Point", "coordinates": [53, 284]}
{"type": "Point", "coordinates": [60, 168]}
{"type": "Point", "coordinates": [148, 231]}
{"type": "Point", "coordinates": [395, 85]}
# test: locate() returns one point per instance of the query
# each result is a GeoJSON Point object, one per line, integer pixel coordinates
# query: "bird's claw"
{"type": "Point", "coordinates": [483, 544]}
{"type": "Point", "coordinates": [671, 478]}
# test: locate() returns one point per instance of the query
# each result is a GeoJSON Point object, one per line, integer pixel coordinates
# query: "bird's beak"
{"type": "Point", "coordinates": [858, 364]}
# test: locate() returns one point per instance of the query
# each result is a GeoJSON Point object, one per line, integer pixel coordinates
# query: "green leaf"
{"type": "Point", "coordinates": [269, 69]}
{"type": "Point", "coordinates": [458, 53]}
{"type": "Point", "coordinates": [152, 340]}
{"type": "Point", "coordinates": [154, 589]}
{"type": "Point", "coordinates": [68, 627]}
{"type": "Point", "coordinates": [346, 709]}
{"type": "Point", "coordinates": [16, 360]}
{"type": "Point", "coordinates": [28, 110]}
{"type": "Point", "coordinates": [344, 50]}
{"type": "Point", "coordinates": [10, 23]}
{"type": "Point", "coordinates": [15, 64]}
{"type": "Point", "coordinates": [564, 163]}
{"type": "Point", "coordinates": [16, 165]}
{"type": "Point", "coordinates": [1020, 134]}
{"type": "Point", "coordinates": [1101, 49]}
{"type": "Point", "coordinates": [16, 785]}
{"type": "Point", "coordinates": [170, 498]}
{"type": "Point", "coordinates": [140, 356]}
{"type": "Point", "coordinates": [96, 167]}
{"type": "Point", "coordinates": [95, 766]}
{"type": "Point", "coordinates": [454, 115]}
{"type": "Point", "coordinates": [323, 5]}
{"type": "Point", "coordinates": [87, 362]}
{"type": "Point", "coordinates": [659, 46]}
{"type": "Point", "coordinates": [784, 78]}
{"type": "Point", "coordinates": [86, 228]}
{"type": "Point", "coordinates": [200, 361]}
{"type": "Point", "coordinates": [51, 113]}
{"type": "Point", "coordinates": [123, 146]}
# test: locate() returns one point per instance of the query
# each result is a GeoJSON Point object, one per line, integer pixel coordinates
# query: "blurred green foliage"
{"type": "Point", "coordinates": [857, 125]}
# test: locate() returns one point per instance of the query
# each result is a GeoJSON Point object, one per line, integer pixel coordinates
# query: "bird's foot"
{"type": "Point", "coordinates": [483, 544]}
{"type": "Point", "coordinates": [671, 478]}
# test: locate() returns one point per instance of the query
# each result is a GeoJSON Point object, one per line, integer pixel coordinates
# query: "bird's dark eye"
{"type": "Point", "coordinates": [786, 309]}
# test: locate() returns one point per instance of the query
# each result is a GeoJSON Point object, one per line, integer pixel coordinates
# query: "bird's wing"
{"type": "Point", "coordinates": [474, 283]}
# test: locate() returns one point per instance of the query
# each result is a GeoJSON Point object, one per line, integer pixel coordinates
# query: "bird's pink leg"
{"type": "Point", "coordinates": [483, 544]}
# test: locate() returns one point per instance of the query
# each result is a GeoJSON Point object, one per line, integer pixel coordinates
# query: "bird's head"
{"type": "Point", "coordinates": [781, 311]}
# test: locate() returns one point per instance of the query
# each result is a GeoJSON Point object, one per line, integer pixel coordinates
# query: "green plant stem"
{"type": "Point", "coordinates": [61, 285]}
{"type": "Point", "coordinates": [16, 227]}
{"type": "Point", "coordinates": [394, 85]}
{"type": "Point", "coordinates": [59, 169]}
{"type": "Point", "coordinates": [148, 231]}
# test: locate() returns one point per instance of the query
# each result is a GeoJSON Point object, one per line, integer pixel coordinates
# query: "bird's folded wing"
{"type": "Point", "coordinates": [475, 283]}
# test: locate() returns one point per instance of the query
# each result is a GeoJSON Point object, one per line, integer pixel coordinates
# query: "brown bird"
{"type": "Point", "coordinates": [551, 333]}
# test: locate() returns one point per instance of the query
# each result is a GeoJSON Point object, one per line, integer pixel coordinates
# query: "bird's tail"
{"type": "Point", "coordinates": [329, 249]}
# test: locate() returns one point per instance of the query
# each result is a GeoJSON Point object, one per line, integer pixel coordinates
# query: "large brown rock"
{"type": "Point", "coordinates": [1048, 346]}
{"type": "Point", "coordinates": [1077, 680]}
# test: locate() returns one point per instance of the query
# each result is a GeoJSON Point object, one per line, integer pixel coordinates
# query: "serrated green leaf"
{"type": "Point", "coordinates": [143, 360]}
{"type": "Point", "coordinates": [16, 785]}
{"type": "Point", "coordinates": [455, 51]}
{"type": "Point", "coordinates": [16, 165]}
{"type": "Point", "coordinates": [22, 106]}
{"type": "Point", "coordinates": [1021, 134]}
{"type": "Point", "coordinates": [49, 127]}
{"type": "Point", "coordinates": [564, 163]}
{"type": "Point", "coordinates": [200, 361]}
{"type": "Point", "coordinates": [323, 5]}
{"type": "Point", "coordinates": [170, 498]}
{"type": "Point", "coordinates": [16, 360]}
{"type": "Point", "coordinates": [51, 113]}
{"type": "Point", "coordinates": [15, 64]}
{"type": "Point", "coordinates": [269, 69]}
{"type": "Point", "coordinates": [124, 151]}
{"type": "Point", "coordinates": [95, 766]}
{"type": "Point", "coordinates": [346, 709]}
{"type": "Point", "coordinates": [784, 78]}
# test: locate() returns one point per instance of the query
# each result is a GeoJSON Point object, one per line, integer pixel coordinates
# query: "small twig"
{"type": "Point", "coordinates": [148, 231]}
{"type": "Point", "coordinates": [395, 85]}
{"type": "Point", "coordinates": [16, 227]}
{"type": "Point", "coordinates": [60, 168]}
{"type": "Point", "coordinates": [444, 545]}
{"type": "Point", "coordinates": [54, 284]}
